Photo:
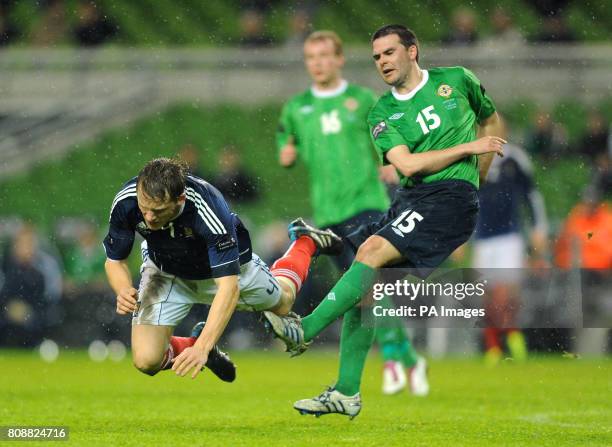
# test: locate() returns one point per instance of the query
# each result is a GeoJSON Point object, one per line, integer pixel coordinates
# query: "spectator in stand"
{"type": "Point", "coordinates": [463, 31]}
{"type": "Point", "coordinates": [300, 26]}
{"type": "Point", "coordinates": [597, 140]}
{"type": "Point", "coordinates": [233, 180]}
{"type": "Point", "coordinates": [252, 34]}
{"type": "Point", "coordinates": [189, 153]}
{"type": "Point", "coordinates": [546, 138]}
{"type": "Point", "coordinates": [8, 33]}
{"type": "Point", "coordinates": [93, 28]}
{"type": "Point", "coordinates": [504, 34]}
{"type": "Point", "coordinates": [84, 261]}
{"type": "Point", "coordinates": [53, 26]}
{"type": "Point", "coordinates": [585, 240]}
{"type": "Point", "coordinates": [585, 243]}
{"type": "Point", "coordinates": [555, 30]}
{"type": "Point", "coordinates": [23, 301]}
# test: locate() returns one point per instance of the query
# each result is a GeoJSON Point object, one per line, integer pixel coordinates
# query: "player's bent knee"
{"type": "Point", "coordinates": [368, 252]}
{"type": "Point", "coordinates": [147, 363]}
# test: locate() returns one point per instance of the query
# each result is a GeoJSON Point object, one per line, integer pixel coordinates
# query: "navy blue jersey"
{"type": "Point", "coordinates": [509, 188]}
{"type": "Point", "coordinates": [205, 241]}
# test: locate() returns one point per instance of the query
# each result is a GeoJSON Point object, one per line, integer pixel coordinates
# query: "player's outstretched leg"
{"type": "Point", "coordinates": [289, 329]}
{"type": "Point", "coordinates": [291, 270]}
{"type": "Point", "coordinates": [327, 242]}
{"type": "Point", "coordinates": [346, 294]}
{"type": "Point", "coordinates": [329, 402]}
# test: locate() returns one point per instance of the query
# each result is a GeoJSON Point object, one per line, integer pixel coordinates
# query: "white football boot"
{"type": "Point", "coordinates": [394, 377]}
{"type": "Point", "coordinates": [288, 329]}
{"type": "Point", "coordinates": [417, 376]}
{"type": "Point", "coordinates": [329, 402]}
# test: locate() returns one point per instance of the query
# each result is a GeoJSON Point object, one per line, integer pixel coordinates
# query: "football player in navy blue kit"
{"type": "Point", "coordinates": [195, 250]}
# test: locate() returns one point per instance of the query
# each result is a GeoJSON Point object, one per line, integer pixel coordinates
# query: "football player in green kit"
{"type": "Point", "coordinates": [438, 128]}
{"type": "Point", "coordinates": [326, 128]}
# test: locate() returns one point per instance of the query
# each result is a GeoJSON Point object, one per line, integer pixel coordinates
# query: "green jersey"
{"type": "Point", "coordinates": [331, 135]}
{"type": "Point", "coordinates": [441, 112]}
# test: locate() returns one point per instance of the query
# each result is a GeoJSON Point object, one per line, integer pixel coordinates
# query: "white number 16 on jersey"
{"type": "Point", "coordinates": [405, 223]}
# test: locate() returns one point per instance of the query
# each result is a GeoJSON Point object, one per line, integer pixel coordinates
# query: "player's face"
{"type": "Point", "coordinates": [158, 213]}
{"type": "Point", "coordinates": [322, 62]}
{"type": "Point", "coordinates": [392, 59]}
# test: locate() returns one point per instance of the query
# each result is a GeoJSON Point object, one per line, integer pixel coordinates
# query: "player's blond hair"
{"type": "Point", "coordinates": [323, 35]}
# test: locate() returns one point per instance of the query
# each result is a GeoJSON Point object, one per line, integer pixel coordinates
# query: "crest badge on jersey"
{"type": "Point", "coordinates": [351, 104]}
{"type": "Point", "coordinates": [142, 228]}
{"type": "Point", "coordinates": [445, 90]}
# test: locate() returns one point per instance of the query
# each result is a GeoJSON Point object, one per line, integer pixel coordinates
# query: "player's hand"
{"type": "Point", "coordinates": [388, 175]}
{"type": "Point", "coordinates": [192, 357]}
{"type": "Point", "coordinates": [487, 144]}
{"type": "Point", "coordinates": [288, 155]}
{"type": "Point", "coordinates": [126, 300]}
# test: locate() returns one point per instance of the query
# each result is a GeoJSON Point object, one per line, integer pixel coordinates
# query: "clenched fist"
{"type": "Point", "coordinates": [126, 300]}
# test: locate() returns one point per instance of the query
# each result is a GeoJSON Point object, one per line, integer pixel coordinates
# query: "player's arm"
{"type": "Point", "coordinates": [221, 310]}
{"type": "Point", "coordinates": [285, 139]}
{"type": "Point", "coordinates": [490, 126]}
{"type": "Point", "coordinates": [534, 202]}
{"type": "Point", "coordinates": [489, 122]}
{"type": "Point", "coordinates": [118, 245]}
{"type": "Point", "coordinates": [433, 161]}
{"type": "Point", "coordinates": [120, 280]}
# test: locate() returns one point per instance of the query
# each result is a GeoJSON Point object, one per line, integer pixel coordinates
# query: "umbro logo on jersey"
{"type": "Point", "coordinates": [331, 296]}
{"type": "Point", "coordinates": [306, 109]}
{"type": "Point", "coordinates": [396, 116]}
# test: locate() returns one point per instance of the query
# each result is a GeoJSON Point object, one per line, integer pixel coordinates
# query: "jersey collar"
{"type": "Point", "coordinates": [317, 93]}
{"type": "Point", "coordinates": [414, 91]}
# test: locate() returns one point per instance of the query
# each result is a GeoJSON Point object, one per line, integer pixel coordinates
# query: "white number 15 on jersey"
{"type": "Point", "coordinates": [432, 118]}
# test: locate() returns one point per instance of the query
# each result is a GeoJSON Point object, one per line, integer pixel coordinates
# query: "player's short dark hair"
{"type": "Point", "coordinates": [163, 178]}
{"type": "Point", "coordinates": [406, 36]}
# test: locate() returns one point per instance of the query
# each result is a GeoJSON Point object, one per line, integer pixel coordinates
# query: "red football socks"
{"type": "Point", "coordinates": [177, 345]}
{"type": "Point", "coordinates": [295, 263]}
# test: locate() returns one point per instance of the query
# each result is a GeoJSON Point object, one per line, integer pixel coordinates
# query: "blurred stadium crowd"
{"type": "Point", "coordinates": [256, 23]}
{"type": "Point", "coordinates": [52, 282]}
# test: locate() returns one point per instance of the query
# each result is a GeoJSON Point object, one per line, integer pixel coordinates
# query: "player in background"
{"type": "Point", "coordinates": [195, 251]}
{"type": "Point", "coordinates": [498, 243]}
{"type": "Point", "coordinates": [438, 128]}
{"type": "Point", "coordinates": [326, 128]}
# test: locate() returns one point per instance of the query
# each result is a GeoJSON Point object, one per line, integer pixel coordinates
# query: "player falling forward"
{"type": "Point", "coordinates": [426, 127]}
{"type": "Point", "coordinates": [195, 251]}
{"type": "Point", "coordinates": [325, 128]}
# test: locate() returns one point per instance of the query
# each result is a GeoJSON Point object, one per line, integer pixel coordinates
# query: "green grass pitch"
{"type": "Point", "coordinates": [549, 401]}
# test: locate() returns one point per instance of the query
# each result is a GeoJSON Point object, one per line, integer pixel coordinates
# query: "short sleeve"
{"type": "Point", "coordinates": [384, 136]}
{"type": "Point", "coordinates": [217, 227]}
{"type": "Point", "coordinates": [120, 238]}
{"type": "Point", "coordinates": [480, 102]}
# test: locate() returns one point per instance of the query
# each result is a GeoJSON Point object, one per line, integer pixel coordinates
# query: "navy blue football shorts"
{"type": "Point", "coordinates": [425, 223]}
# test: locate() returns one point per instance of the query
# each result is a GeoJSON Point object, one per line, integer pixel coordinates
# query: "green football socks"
{"type": "Point", "coordinates": [392, 338]}
{"type": "Point", "coordinates": [355, 342]}
{"type": "Point", "coordinates": [347, 292]}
